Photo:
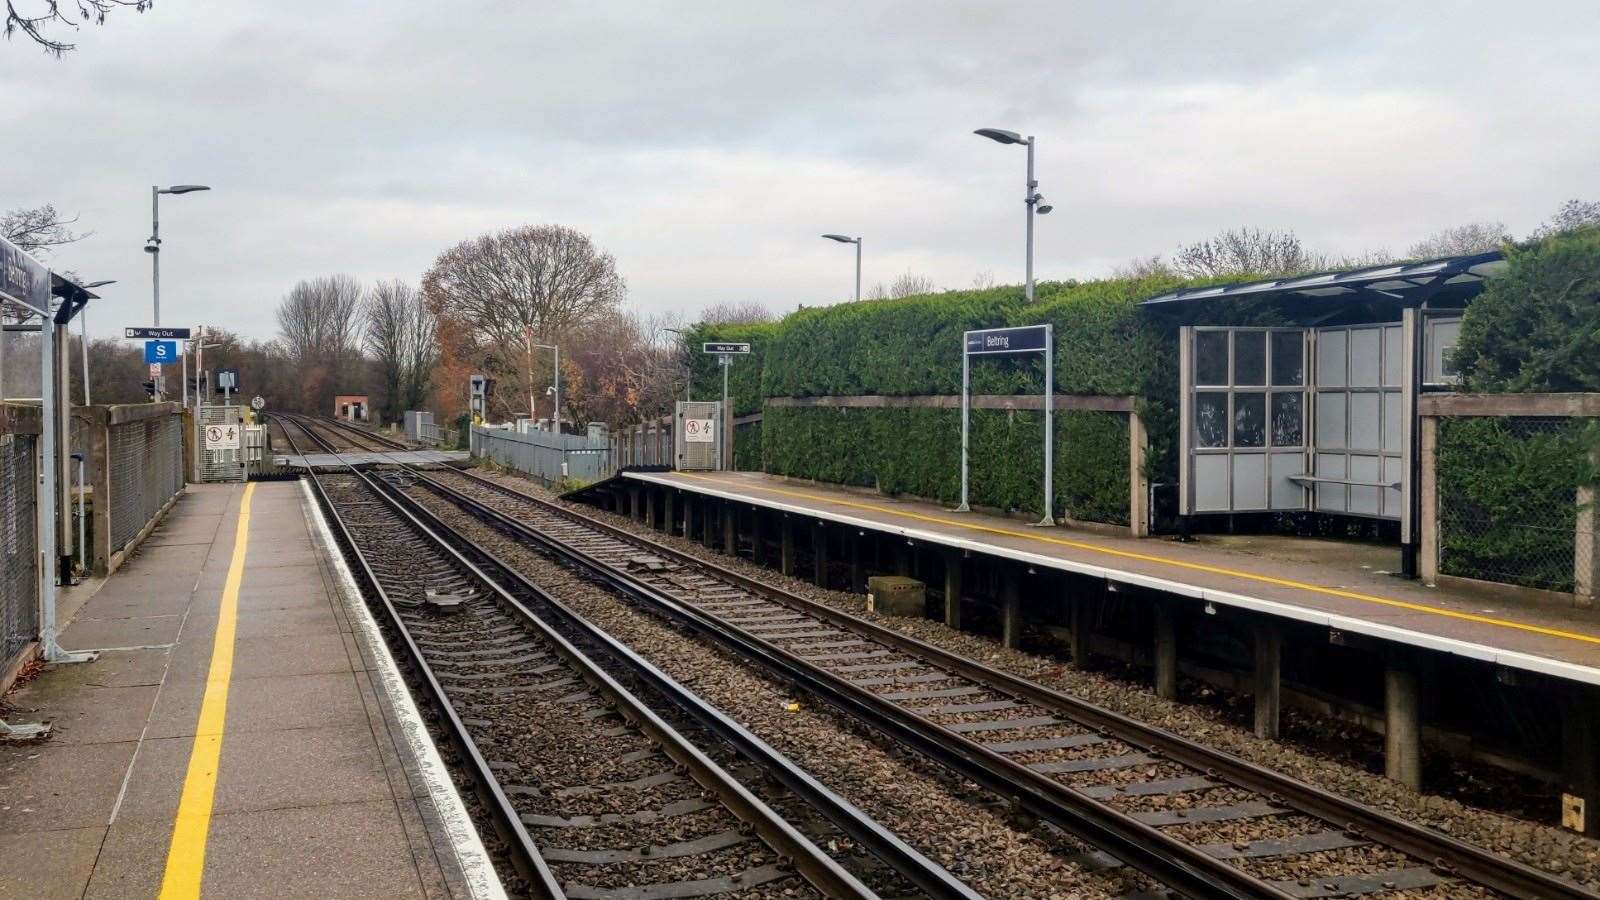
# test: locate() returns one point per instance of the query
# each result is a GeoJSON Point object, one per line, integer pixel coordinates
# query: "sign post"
{"type": "Point", "coordinates": [1005, 341]}
{"type": "Point", "coordinates": [726, 351]}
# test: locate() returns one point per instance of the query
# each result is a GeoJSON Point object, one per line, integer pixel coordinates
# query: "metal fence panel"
{"type": "Point", "coordinates": [146, 471]}
{"type": "Point", "coordinates": [219, 465]}
{"type": "Point", "coordinates": [19, 582]}
{"type": "Point", "coordinates": [551, 458]}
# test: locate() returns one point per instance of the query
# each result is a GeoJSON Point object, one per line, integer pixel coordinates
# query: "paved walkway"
{"type": "Point", "coordinates": [315, 792]}
{"type": "Point", "coordinates": [1324, 589]}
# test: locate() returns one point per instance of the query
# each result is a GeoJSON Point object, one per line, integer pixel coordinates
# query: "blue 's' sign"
{"type": "Point", "coordinates": [160, 351]}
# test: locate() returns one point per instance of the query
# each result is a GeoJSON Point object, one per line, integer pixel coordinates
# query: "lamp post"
{"type": "Point", "coordinates": [153, 247]}
{"type": "Point", "coordinates": [1033, 201]}
{"type": "Point", "coordinates": [555, 414]}
{"type": "Point", "coordinates": [688, 371]}
{"type": "Point", "coordinates": [844, 239]}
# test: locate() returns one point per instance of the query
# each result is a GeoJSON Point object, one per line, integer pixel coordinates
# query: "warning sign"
{"type": "Point", "coordinates": [222, 437]}
{"type": "Point", "coordinates": [698, 431]}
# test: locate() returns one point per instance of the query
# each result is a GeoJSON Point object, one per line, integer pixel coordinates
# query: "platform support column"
{"type": "Point", "coordinates": [758, 537]}
{"type": "Point", "coordinates": [1011, 609]}
{"type": "Point", "coordinates": [650, 507]}
{"type": "Point", "coordinates": [952, 589]}
{"type": "Point", "coordinates": [667, 521]}
{"type": "Point", "coordinates": [819, 555]}
{"type": "Point", "coordinates": [1079, 615]}
{"type": "Point", "coordinates": [1580, 762]}
{"type": "Point", "coordinates": [902, 557]}
{"type": "Point", "coordinates": [730, 529]}
{"type": "Point", "coordinates": [689, 504]}
{"type": "Point", "coordinates": [1268, 686]}
{"type": "Point", "coordinates": [634, 511]}
{"type": "Point", "coordinates": [786, 561]}
{"type": "Point", "coordinates": [858, 569]}
{"type": "Point", "coordinates": [1166, 653]}
{"type": "Point", "coordinates": [708, 523]}
{"type": "Point", "coordinates": [1402, 724]}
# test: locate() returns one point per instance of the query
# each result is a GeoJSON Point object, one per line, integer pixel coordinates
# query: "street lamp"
{"type": "Point", "coordinates": [1033, 200]}
{"type": "Point", "coordinates": [555, 415]}
{"type": "Point", "coordinates": [843, 239]}
{"type": "Point", "coordinates": [153, 247]}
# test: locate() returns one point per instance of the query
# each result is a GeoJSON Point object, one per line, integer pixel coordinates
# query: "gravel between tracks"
{"type": "Point", "coordinates": [1537, 845]}
{"type": "Point", "coordinates": [927, 807]}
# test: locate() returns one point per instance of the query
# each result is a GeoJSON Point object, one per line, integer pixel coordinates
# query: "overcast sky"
{"type": "Point", "coordinates": [706, 145]}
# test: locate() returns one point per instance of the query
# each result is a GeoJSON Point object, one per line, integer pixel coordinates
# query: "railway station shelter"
{"type": "Point", "coordinates": [1300, 395]}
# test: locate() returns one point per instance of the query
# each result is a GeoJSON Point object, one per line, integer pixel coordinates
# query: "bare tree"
{"type": "Point", "coordinates": [1245, 251]}
{"type": "Point", "coordinates": [906, 285]}
{"type": "Point", "coordinates": [1473, 237]}
{"type": "Point", "coordinates": [400, 337]}
{"type": "Point", "coordinates": [983, 280]}
{"type": "Point", "coordinates": [1572, 215]}
{"type": "Point", "coordinates": [320, 318]}
{"type": "Point", "coordinates": [1142, 267]}
{"type": "Point", "coordinates": [38, 228]}
{"type": "Point", "coordinates": [735, 313]}
{"type": "Point", "coordinates": [46, 14]}
{"type": "Point", "coordinates": [515, 289]}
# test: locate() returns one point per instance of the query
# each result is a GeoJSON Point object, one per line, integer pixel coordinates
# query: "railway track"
{"type": "Point", "coordinates": [593, 790]}
{"type": "Point", "coordinates": [1202, 821]}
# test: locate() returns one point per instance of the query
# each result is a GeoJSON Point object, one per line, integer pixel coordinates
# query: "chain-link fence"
{"type": "Point", "coordinates": [1515, 500]}
{"type": "Point", "coordinates": [19, 582]}
{"type": "Point", "coordinates": [146, 463]}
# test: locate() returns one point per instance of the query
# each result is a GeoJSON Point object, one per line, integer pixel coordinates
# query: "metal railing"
{"type": "Point", "coordinates": [19, 550]}
{"type": "Point", "coordinates": [551, 458]}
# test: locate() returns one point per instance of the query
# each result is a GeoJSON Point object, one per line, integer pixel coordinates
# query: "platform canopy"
{"type": "Point", "coordinates": [1452, 278]}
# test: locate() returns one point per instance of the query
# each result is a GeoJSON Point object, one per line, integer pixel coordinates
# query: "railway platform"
{"type": "Point", "coordinates": [241, 733]}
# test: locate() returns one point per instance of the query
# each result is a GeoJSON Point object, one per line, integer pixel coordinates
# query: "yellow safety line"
{"type": "Point", "coordinates": [1166, 561]}
{"type": "Point", "coordinates": [186, 857]}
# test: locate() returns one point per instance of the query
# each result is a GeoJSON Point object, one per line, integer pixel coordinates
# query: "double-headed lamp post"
{"type": "Point", "coordinates": [1033, 200]}
{"type": "Point", "coordinates": [846, 239]}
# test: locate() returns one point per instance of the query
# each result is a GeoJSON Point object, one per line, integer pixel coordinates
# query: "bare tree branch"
{"type": "Point", "coordinates": [38, 228]}
{"type": "Point", "coordinates": [57, 12]}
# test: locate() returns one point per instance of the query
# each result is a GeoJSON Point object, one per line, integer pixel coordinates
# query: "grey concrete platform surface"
{"type": "Point", "coordinates": [1322, 582]}
{"type": "Point", "coordinates": [317, 792]}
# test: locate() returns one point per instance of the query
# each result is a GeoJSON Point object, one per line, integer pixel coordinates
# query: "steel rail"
{"type": "Point", "coordinates": [524, 855]}
{"type": "Point", "coordinates": [819, 869]}
{"type": "Point", "coordinates": [1443, 851]}
{"type": "Point", "coordinates": [927, 875]}
{"type": "Point", "coordinates": [1178, 865]}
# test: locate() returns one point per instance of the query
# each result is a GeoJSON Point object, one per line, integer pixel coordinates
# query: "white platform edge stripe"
{"type": "Point", "coordinates": [476, 867]}
{"type": "Point", "coordinates": [1515, 659]}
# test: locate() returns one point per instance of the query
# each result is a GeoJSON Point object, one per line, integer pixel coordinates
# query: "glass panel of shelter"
{"type": "Point", "coordinates": [1249, 418]}
{"type": "Point", "coordinates": [1358, 430]}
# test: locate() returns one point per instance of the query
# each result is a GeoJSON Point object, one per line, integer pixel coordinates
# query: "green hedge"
{"type": "Point", "coordinates": [1508, 498]}
{"type": "Point", "coordinates": [747, 450]}
{"type": "Point", "coordinates": [918, 452]}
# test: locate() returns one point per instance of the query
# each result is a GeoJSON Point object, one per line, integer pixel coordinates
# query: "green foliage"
{"type": "Point", "coordinates": [1508, 497]}
{"type": "Point", "coordinates": [918, 452]}
{"type": "Point", "coordinates": [747, 448]}
{"type": "Point", "coordinates": [744, 378]}
{"type": "Point", "coordinates": [1536, 327]}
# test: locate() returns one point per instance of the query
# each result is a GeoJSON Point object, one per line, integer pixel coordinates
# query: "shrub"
{"type": "Point", "coordinates": [744, 378]}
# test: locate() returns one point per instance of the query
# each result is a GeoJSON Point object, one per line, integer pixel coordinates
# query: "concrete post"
{"type": "Point", "coordinates": [1011, 609]}
{"type": "Point", "coordinates": [758, 537]}
{"type": "Point", "coordinates": [668, 521]}
{"type": "Point", "coordinates": [819, 555]}
{"type": "Point", "coordinates": [1586, 544]}
{"type": "Point", "coordinates": [730, 529]}
{"type": "Point", "coordinates": [1079, 616]}
{"type": "Point", "coordinates": [786, 560]}
{"type": "Point", "coordinates": [634, 512]}
{"type": "Point", "coordinates": [1166, 653]}
{"type": "Point", "coordinates": [1268, 686]}
{"type": "Point", "coordinates": [952, 589]}
{"type": "Point", "coordinates": [708, 523]}
{"type": "Point", "coordinates": [1402, 724]}
{"type": "Point", "coordinates": [1138, 485]}
{"type": "Point", "coordinates": [99, 474]}
{"type": "Point", "coordinates": [902, 557]}
{"type": "Point", "coordinates": [689, 503]}
{"type": "Point", "coordinates": [1428, 540]}
{"type": "Point", "coordinates": [1580, 762]}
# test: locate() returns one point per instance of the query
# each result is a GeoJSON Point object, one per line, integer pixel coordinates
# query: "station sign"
{"type": "Point", "coordinates": [22, 279]}
{"type": "Point", "coordinates": [699, 431]}
{"type": "Point", "coordinates": [223, 437]}
{"type": "Point", "coordinates": [158, 352]}
{"type": "Point", "coordinates": [1026, 339]}
{"type": "Point", "coordinates": [168, 334]}
{"type": "Point", "coordinates": [724, 347]}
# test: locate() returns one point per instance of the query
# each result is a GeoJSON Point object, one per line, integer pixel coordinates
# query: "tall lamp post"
{"type": "Point", "coordinates": [555, 414]}
{"type": "Point", "coordinates": [845, 239]}
{"type": "Point", "coordinates": [1033, 201]}
{"type": "Point", "coordinates": [153, 247]}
